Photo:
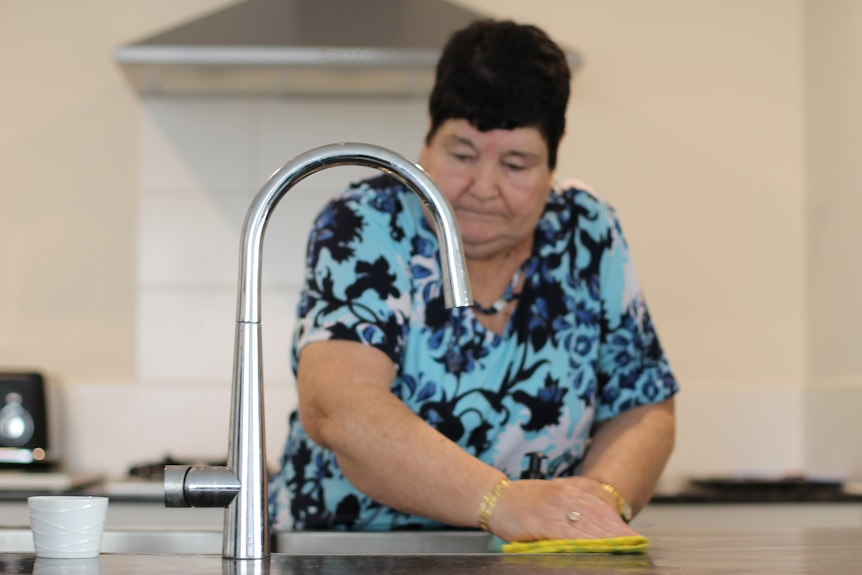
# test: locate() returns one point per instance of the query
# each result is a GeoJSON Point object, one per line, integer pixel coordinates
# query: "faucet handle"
{"type": "Point", "coordinates": [534, 466]}
{"type": "Point", "coordinates": [199, 486]}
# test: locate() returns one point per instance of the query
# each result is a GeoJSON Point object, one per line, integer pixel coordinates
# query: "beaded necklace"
{"type": "Point", "coordinates": [508, 296]}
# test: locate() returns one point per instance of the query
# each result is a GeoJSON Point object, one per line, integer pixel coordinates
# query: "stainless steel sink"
{"type": "Point", "coordinates": [209, 542]}
{"type": "Point", "coordinates": [394, 543]}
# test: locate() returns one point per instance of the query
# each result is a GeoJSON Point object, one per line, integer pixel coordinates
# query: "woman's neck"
{"type": "Point", "coordinates": [490, 277]}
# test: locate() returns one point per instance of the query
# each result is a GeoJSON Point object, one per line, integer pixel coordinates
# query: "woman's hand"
{"type": "Point", "coordinates": [530, 510]}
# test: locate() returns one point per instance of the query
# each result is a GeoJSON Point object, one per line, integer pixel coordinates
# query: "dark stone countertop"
{"type": "Point", "coordinates": [724, 491]}
{"type": "Point", "coordinates": [798, 551]}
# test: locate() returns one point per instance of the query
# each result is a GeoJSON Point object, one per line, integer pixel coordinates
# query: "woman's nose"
{"type": "Point", "coordinates": [485, 180]}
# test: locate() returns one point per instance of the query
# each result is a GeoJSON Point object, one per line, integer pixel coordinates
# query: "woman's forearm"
{"type": "Point", "coordinates": [383, 448]}
{"type": "Point", "coordinates": [631, 450]}
{"type": "Point", "coordinates": [397, 459]}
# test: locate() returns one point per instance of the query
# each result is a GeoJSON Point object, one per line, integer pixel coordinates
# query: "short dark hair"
{"type": "Point", "coordinates": [502, 75]}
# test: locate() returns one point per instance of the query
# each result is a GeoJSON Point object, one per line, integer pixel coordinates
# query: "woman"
{"type": "Point", "coordinates": [414, 416]}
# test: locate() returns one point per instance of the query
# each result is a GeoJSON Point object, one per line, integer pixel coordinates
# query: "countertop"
{"type": "Point", "coordinates": [792, 551]}
{"type": "Point", "coordinates": [758, 490]}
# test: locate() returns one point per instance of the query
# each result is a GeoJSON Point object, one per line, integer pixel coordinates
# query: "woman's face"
{"type": "Point", "coordinates": [497, 182]}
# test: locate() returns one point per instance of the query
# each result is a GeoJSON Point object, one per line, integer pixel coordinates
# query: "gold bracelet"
{"type": "Point", "coordinates": [489, 502]}
{"type": "Point", "coordinates": [623, 507]}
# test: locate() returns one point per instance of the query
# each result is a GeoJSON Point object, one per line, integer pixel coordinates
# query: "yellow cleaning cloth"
{"type": "Point", "coordinates": [629, 544]}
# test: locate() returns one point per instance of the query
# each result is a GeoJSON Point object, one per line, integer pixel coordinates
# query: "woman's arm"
{"type": "Point", "coordinates": [630, 451]}
{"type": "Point", "coordinates": [397, 459]}
{"type": "Point", "coordinates": [383, 448]}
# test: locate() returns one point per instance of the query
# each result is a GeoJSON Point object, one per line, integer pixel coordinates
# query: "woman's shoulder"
{"type": "Point", "coordinates": [583, 204]}
{"type": "Point", "coordinates": [382, 192]}
{"type": "Point", "coordinates": [373, 208]}
{"type": "Point", "coordinates": [382, 198]}
{"type": "Point", "coordinates": [573, 191]}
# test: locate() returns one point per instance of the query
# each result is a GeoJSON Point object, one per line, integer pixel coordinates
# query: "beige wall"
{"type": "Point", "coordinates": [689, 116]}
{"type": "Point", "coordinates": [833, 66]}
{"type": "Point", "coordinates": [68, 176]}
{"type": "Point", "coordinates": [710, 125]}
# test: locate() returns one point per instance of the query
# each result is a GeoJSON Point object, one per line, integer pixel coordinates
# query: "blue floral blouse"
{"type": "Point", "coordinates": [579, 348]}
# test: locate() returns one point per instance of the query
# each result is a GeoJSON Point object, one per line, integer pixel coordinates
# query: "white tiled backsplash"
{"type": "Point", "coordinates": [201, 162]}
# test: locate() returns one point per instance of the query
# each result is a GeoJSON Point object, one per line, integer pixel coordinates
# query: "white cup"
{"type": "Point", "coordinates": [67, 527]}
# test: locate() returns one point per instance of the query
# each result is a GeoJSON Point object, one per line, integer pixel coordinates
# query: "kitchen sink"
{"type": "Point", "coordinates": [209, 542]}
{"type": "Point", "coordinates": [390, 543]}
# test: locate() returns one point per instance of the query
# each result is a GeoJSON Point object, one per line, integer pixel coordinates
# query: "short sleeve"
{"type": "Point", "coordinates": [357, 281]}
{"type": "Point", "coordinates": [632, 367]}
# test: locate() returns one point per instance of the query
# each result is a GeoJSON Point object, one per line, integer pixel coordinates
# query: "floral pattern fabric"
{"type": "Point", "coordinates": [579, 348]}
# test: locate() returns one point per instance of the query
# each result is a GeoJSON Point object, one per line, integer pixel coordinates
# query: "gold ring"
{"type": "Point", "coordinates": [574, 517]}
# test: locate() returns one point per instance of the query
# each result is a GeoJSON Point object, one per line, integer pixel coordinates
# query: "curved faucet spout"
{"type": "Point", "coordinates": [456, 288]}
{"type": "Point", "coordinates": [246, 533]}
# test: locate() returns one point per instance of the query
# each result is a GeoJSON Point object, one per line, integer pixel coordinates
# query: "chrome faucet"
{"type": "Point", "coordinates": [241, 487]}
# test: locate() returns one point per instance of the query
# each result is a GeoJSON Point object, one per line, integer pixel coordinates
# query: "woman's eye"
{"type": "Point", "coordinates": [514, 167]}
{"type": "Point", "coordinates": [462, 157]}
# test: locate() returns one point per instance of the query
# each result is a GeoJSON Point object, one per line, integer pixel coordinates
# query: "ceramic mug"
{"type": "Point", "coordinates": [67, 527]}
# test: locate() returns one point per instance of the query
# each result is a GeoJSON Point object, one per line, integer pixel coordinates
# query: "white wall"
{"type": "Point", "coordinates": [689, 116]}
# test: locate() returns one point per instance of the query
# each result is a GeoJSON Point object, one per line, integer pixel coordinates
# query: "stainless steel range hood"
{"type": "Point", "coordinates": [299, 47]}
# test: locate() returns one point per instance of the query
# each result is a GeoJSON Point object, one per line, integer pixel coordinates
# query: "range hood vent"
{"type": "Point", "coordinates": [300, 47]}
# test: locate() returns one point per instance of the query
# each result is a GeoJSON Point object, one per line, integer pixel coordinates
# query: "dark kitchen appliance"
{"type": "Point", "coordinates": [25, 423]}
